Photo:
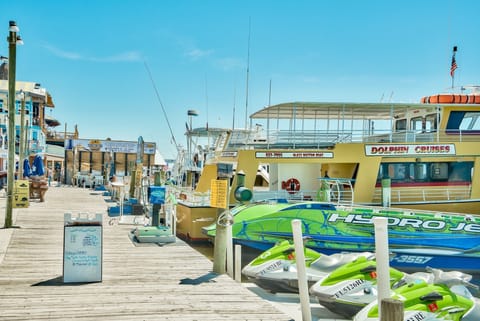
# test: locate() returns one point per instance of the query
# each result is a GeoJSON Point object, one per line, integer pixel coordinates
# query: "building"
{"type": "Point", "coordinates": [87, 158]}
{"type": "Point", "coordinates": [34, 99]}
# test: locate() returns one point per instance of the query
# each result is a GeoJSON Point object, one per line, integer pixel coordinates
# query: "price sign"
{"type": "Point", "coordinates": [218, 193]}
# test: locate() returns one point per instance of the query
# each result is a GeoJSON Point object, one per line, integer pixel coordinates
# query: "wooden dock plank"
{"type": "Point", "coordinates": [146, 282]}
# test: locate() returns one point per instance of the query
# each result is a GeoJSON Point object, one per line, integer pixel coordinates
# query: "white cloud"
{"type": "Point", "coordinates": [63, 54]}
{"type": "Point", "coordinates": [196, 53]}
{"type": "Point", "coordinates": [128, 56]}
{"type": "Point", "coordinates": [230, 63]}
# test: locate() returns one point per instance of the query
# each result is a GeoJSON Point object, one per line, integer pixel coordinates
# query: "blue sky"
{"type": "Point", "coordinates": [91, 56]}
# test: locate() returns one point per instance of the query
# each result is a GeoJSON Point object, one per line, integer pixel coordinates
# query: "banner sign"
{"type": "Point", "coordinates": [96, 145]}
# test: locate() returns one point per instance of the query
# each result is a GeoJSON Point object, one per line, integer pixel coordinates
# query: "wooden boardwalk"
{"type": "Point", "coordinates": [139, 282]}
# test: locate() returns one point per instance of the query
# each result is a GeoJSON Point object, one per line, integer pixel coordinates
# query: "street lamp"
{"type": "Point", "coordinates": [13, 39]}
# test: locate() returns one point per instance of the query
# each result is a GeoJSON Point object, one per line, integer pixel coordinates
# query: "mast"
{"type": "Point", "coordinates": [234, 99]}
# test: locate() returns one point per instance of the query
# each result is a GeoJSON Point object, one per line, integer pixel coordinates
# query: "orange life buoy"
{"type": "Point", "coordinates": [451, 99]}
{"type": "Point", "coordinates": [292, 185]}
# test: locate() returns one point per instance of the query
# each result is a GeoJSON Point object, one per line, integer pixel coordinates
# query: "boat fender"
{"type": "Point", "coordinates": [243, 194]}
{"type": "Point", "coordinates": [292, 185]}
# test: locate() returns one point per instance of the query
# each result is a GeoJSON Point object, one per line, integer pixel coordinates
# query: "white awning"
{"type": "Point", "coordinates": [159, 160]}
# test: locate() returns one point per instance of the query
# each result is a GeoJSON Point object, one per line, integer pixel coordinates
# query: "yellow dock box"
{"type": "Point", "coordinates": [21, 192]}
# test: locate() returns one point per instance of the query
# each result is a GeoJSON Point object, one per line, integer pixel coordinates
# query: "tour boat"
{"type": "Point", "coordinates": [418, 156]}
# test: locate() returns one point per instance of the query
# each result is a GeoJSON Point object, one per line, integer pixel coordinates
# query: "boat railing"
{"type": "Point", "coordinates": [315, 139]}
{"type": "Point", "coordinates": [405, 195]}
{"type": "Point", "coordinates": [288, 139]}
{"type": "Point", "coordinates": [190, 197]}
{"type": "Point", "coordinates": [432, 136]}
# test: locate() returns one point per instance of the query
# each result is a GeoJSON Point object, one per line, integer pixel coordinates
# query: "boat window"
{"type": "Point", "coordinates": [470, 121]}
{"type": "Point", "coordinates": [463, 120]}
{"type": "Point", "coordinates": [460, 172]}
{"type": "Point", "coordinates": [416, 124]}
{"type": "Point", "coordinates": [401, 124]}
{"type": "Point", "coordinates": [431, 123]}
{"type": "Point", "coordinates": [398, 171]}
{"type": "Point", "coordinates": [420, 172]}
{"type": "Point", "coordinates": [439, 171]}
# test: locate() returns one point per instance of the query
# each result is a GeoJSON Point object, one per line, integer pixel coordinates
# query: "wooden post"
{"type": "Point", "coordinates": [382, 258]}
{"type": "Point", "coordinates": [220, 246]}
{"type": "Point", "coordinates": [301, 270]}
{"type": "Point", "coordinates": [386, 192]}
{"type": "Point", "coordinates": [12, 61]}
{"type": "Point", "coordinates": [391, 310]}
{"type": "Point", "coordinates": [238, 263]}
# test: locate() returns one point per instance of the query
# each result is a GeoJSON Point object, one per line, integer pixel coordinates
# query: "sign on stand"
{"type": "Point", "coordinates": [82, 248]}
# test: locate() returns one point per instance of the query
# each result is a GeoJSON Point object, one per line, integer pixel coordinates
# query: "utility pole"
{"type": "Point", "coordinates": [13, 40]}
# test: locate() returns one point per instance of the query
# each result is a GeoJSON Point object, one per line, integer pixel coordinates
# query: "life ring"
{"type": "Point", "coordinates": [292, 185]}
{"type": "Point", "coordinates": [451, 99]}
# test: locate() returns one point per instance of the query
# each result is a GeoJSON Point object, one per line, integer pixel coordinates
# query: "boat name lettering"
{"type": "Point", "coordinates": [395, 150]}
{"type": "Point", "coordinates": [417, 317]}
{"type": "Point", "coordinates": [406, 222]}
{"type": "Point", "coordinates": [433, 149]}
{"type": "Point", "coordinates": [349, 287]}
{"type": "Point", "coordinates": [389, 149]}
{"type": "Point", "coordinates": [274, 266]}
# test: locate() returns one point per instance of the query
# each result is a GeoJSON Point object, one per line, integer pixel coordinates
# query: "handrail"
{"type": "Point", "coordinates": [450, 193]}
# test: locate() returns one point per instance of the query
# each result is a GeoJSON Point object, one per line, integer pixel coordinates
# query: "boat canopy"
{"type": "Point", "coordinates": [335, 110]}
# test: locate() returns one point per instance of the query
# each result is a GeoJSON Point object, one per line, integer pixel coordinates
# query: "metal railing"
{"type": "Point", "coordinates": [451, 193]}
{"type": "Point", "coordinates": [323, 138]}
{"type": "Point", "coordinates": [342, 197]}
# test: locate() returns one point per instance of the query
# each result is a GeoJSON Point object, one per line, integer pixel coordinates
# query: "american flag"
{"type": "Point", "coordinates": [453, 67]}
{"type": "Point", "coordinates": [454, 63]}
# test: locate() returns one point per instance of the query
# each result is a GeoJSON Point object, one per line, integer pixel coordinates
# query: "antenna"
{"type": "Point", "coordinates": [206, 97]}
{"type": "Point", "coordinates": [234, 101]}
{"type": "Point", "coordinates": [248, 72]}
{"type": "Point", "coordinates": [270, 94]}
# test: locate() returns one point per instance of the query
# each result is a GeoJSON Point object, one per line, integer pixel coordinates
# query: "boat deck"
{"type": "Point", "coordinates": [139, 282]}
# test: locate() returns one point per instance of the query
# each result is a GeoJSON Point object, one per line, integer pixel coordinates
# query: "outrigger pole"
{"type": "Point", "coordinates": [160, 101]}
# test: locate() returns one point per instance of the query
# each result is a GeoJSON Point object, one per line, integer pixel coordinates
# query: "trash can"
{"type": "Point", "coordinates": [82, 248]}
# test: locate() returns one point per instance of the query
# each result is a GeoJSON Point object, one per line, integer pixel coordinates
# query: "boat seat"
{"type": "Point", "coordinates": [330, 262]}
